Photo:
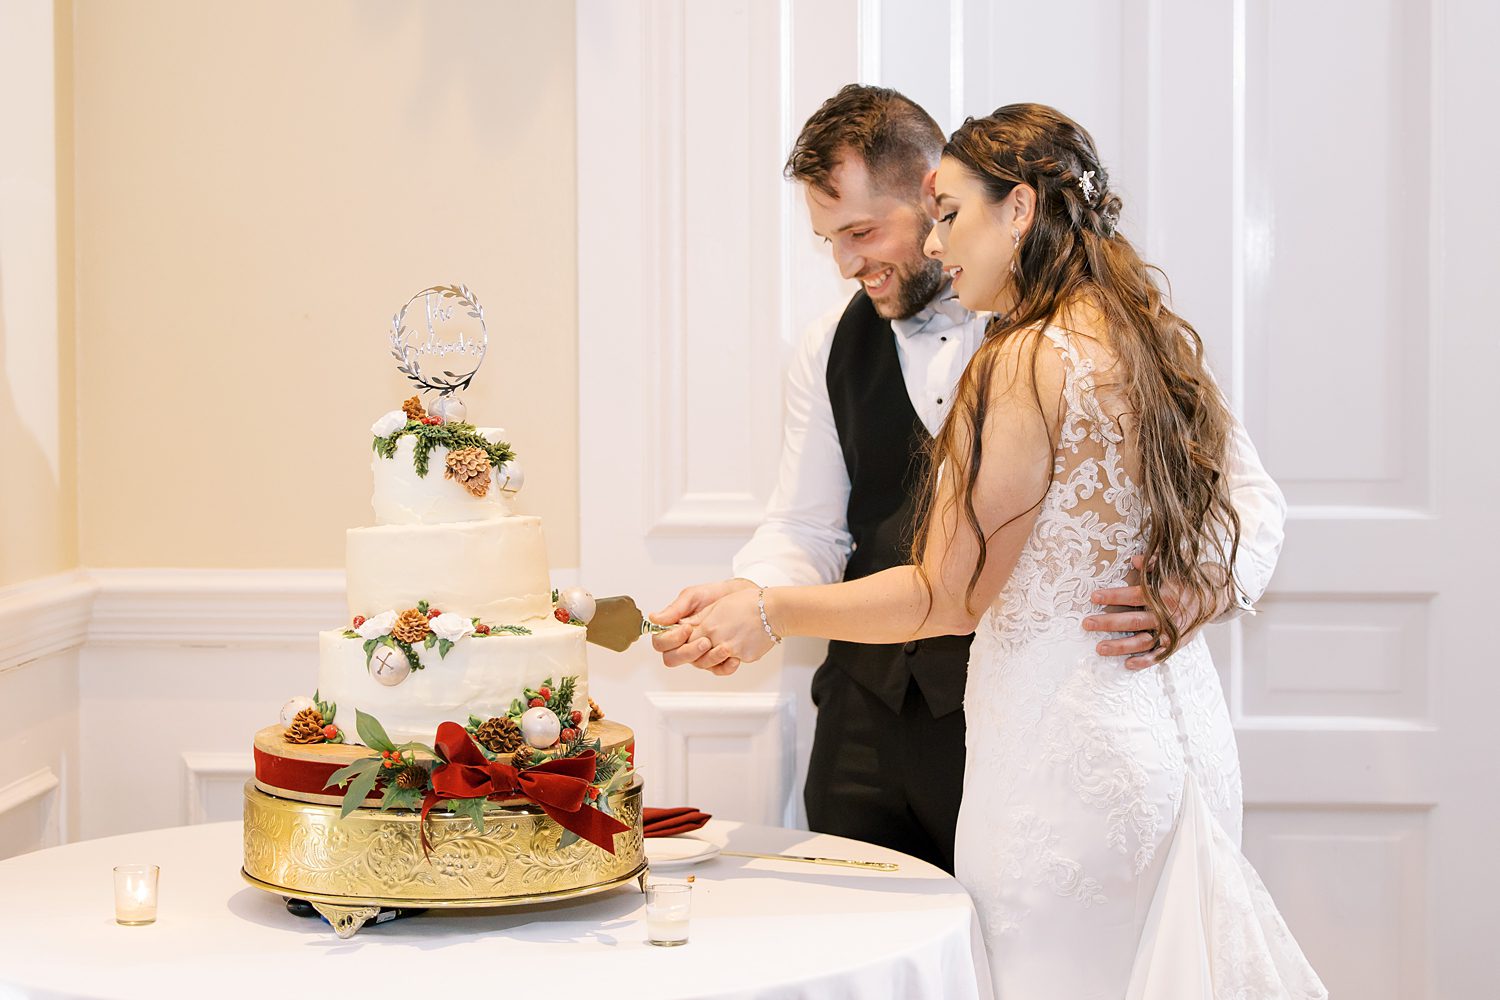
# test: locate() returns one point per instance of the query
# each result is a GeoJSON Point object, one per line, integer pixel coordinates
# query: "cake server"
{"type": "Point", "coordinates": [617, 623]}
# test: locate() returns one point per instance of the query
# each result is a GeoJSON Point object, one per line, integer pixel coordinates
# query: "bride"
{"type": "Point", "coordinates": [1100, 826]}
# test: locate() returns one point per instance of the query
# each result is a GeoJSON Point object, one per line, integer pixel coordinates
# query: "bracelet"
{"type": "Point", "coordinates": [760, 602]}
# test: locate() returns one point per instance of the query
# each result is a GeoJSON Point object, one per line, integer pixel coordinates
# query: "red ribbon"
{"type": "Point", "coordinates": [559, 786]}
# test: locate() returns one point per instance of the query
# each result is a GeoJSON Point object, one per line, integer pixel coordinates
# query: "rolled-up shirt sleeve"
{"type": "Point", "coordinates": [804, 537]}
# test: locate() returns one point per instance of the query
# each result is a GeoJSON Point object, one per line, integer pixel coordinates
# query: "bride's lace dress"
{"type": "Point", "coordinates": [1100, 827]}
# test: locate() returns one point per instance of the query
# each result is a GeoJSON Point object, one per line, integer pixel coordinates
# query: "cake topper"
{"type": "Point", "coordinates": [441, 327]}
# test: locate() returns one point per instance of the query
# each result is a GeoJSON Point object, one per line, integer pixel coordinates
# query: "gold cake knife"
{"type": "Point", "coordinates": [617, 623]}
{"type": "Point", "coordinates": [880, 866]}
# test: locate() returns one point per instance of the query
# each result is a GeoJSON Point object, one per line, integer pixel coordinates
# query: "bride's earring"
{"type": "Point", "coordinates": [1015, 235]}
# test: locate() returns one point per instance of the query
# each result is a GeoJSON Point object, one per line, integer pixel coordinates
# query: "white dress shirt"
{"type": "Point", "coordinates": [804, 538]}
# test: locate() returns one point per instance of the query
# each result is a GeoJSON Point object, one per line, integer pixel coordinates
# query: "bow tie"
{"type": "Point", "coordinates": [942, 312]}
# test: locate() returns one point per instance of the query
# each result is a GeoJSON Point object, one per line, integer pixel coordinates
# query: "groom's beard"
{"type": "Point", "coordinates": [916, 284]}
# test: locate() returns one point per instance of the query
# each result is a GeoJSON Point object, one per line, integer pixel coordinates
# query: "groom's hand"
{"type": "Point", "coordinates": [1142, 648]}
{"type": "Point", "coordinates": [675, 647]}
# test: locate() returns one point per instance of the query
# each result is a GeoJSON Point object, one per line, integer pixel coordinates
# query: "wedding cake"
{"type": "Point", "coordinates": [450, 752]}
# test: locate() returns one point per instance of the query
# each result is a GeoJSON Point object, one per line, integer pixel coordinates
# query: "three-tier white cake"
{"type": "Point", "coordinates": [451, 551]}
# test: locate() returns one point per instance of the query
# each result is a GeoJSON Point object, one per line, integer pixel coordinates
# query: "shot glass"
{"type": "Point", "coordinates": [668, 905]}
{"type": "Point", "coordinates": [135, 894]}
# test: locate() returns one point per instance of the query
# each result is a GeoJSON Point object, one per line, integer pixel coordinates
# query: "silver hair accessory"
{"type": "Point", "coordinates": [1086, 181]}
{"type": "Point", "coordinates": [449, 323]}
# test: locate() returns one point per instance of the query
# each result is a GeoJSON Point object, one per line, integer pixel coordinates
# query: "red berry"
{"type": "Point", "coordinates": [359, 620]}
{"type": "Point", "coordinates": [561, 614]}
{"type": "Point", "coordinates": [389, 763]}
{"type": "Point", "coordinates": [432, 613]}
{"type": "Point", "coordinates": [577, 717]}
{"type": "Point", "coordinates": [330, 732]}
{"type": "Point", "coordinates": [545, 692]}
{"type": "Point", "coordinates": [568, 735]}
{"type": "Point", "coordinates": [593, 793]}
{"type": "Point", "coordinates": [537, 703]}
{"type": "Point", "coordinates": [481, 630]}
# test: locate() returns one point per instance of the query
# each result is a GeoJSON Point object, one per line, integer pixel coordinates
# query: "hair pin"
{"type": "Point", "coordinates": [1087, 183]}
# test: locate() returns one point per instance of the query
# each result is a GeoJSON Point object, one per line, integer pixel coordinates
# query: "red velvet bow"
{"type": "Point", "coordinates": [558, 786]}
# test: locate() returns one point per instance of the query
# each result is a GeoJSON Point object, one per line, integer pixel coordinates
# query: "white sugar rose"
{"type": "Point", "coordinates": [389, 424]}
{"type": "Point", "coordinates": [451, 627]}
{"type": "Point", "coordinates": [381, 624]}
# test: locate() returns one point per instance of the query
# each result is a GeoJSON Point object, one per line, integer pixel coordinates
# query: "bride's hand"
{"type": "Point", "coordinates": [733, 628]}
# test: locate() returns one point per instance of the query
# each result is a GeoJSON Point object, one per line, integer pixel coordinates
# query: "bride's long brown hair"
{"type": "Point", "coordinates": [1073, 255]}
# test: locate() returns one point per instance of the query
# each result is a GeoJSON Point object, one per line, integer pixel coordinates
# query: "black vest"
{"type": "Point", "coordinates": [884, 443]}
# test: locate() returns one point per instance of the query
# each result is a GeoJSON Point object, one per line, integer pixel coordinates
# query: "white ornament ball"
{"type": "Point", "coordinates": [510, 476]}
{"type": "Point", "coordinates": [389, 666]}
{"type": "Point", "coordinates": [291, 708]}
{"type": "Point", "coordinates": [578, 602]}
{"type": "Point", "coordinates": [449, 408]}
{"type": "Point", "coordinates": [540, 728]}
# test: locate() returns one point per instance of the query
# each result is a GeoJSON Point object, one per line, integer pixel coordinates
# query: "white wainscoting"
{"type": "Point", "coordinates": [214, 785]}
{"type": "Point", "coordinates": [30, 813]}
{"type": "Point", "coordinates": [128, 698]}
{"type": "Point", "coordinates": [726, 752]}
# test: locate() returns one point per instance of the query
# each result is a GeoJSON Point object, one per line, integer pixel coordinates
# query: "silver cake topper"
{"type": "Point", "coordinates": [448, 321]}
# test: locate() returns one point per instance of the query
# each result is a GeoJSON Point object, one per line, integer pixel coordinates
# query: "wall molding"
{"type": "Point", "coordinates": [764, 720]}
{"type": "Point", "coordinates": [203, 770]}
{"type": "Point", "coordinates": [174, 607]}
{"type": "Point", "coordinates": [45, 616]}
{"type": "Point", "coordinates": [36, 785]}
{"type": "Point", "coordinates": [213, 607]}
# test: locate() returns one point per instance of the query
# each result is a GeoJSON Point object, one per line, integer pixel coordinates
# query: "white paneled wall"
{"type": "Point", "coordinates": [1314, 181]}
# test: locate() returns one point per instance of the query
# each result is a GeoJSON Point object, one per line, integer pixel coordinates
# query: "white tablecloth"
{"type": "Point", "coordinates": [758, 929]}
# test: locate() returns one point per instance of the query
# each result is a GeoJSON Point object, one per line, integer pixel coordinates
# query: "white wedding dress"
{"type": "Point", "coordinates": [1100, 826]}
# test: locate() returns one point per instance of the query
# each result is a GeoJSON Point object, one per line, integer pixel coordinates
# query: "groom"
{"type": "Point", "coordinates": [865, 393]}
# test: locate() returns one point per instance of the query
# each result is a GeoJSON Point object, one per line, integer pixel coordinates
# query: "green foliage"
{"type": "Point", "coordinates": [401, 798]}
{"type": "Point", "coordinates": [472, 808]}
{"type": "Point", "coordinates": [327, 709]}
{"type": "Point", "coordinates": [561, 701]}
{"type": "Point", "coordinates": [500, 630]}
{"type": "Point", "coordinates": [361, 777]}
{"type": "Point", "coordinates": [371, 732]}
{"type": "Point", "coordinates": [452, 436]}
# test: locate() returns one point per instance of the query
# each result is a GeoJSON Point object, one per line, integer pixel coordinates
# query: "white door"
{"type": "Point", "coordinates": [1317, 181]}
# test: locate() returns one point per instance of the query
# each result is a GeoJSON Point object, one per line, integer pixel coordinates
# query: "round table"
{"type": "Point", "coordinates": [758, 929]}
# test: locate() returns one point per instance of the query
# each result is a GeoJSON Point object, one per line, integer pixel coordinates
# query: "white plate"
{"type": "Point", "coordinates": [672, 852]}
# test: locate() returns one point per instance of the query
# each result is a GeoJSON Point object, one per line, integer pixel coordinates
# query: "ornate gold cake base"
{"type": "Point", "coordinates": [350, 868]}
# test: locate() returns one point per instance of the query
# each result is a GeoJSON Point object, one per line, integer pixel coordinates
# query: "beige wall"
{"type": "Point", "coordinates": [38, 508]}
{"type": "Point", "coordinates": [259, 187]}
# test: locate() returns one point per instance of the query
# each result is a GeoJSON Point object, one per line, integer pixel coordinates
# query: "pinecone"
{"type": "Point", "coordinates": [413, 408]}
{"type": "Point", "coordinates": [522, 756]}
{"type": "Point", "coordinates": [500, 735]}
{"type": "Point", "coordinates": [307, 727]}
{"type": "Point", "coordinates": [412, 777]}
{"type": "Point", "coordinates": [471, 467]}
{"type": "Point", "coordinates": [411, 627]}
{"type": "Point", "coordinates": [595, 712]}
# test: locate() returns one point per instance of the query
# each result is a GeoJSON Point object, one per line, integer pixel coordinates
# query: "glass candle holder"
{"type": "Point", "coordinates": [668, 906]}
{"type": "Point", "coordinates": [135, 894]}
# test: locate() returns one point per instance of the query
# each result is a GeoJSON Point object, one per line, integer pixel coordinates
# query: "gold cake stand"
{"type": "Point", "coordinates": [349, 868]}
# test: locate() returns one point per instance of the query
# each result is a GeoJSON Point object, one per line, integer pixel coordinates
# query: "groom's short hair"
{"type": "Point", "coordinates": [896, 139]}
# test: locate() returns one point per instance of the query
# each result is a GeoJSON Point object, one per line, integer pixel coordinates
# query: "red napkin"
{"type": "Point", "coordinates": [670, 822]}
